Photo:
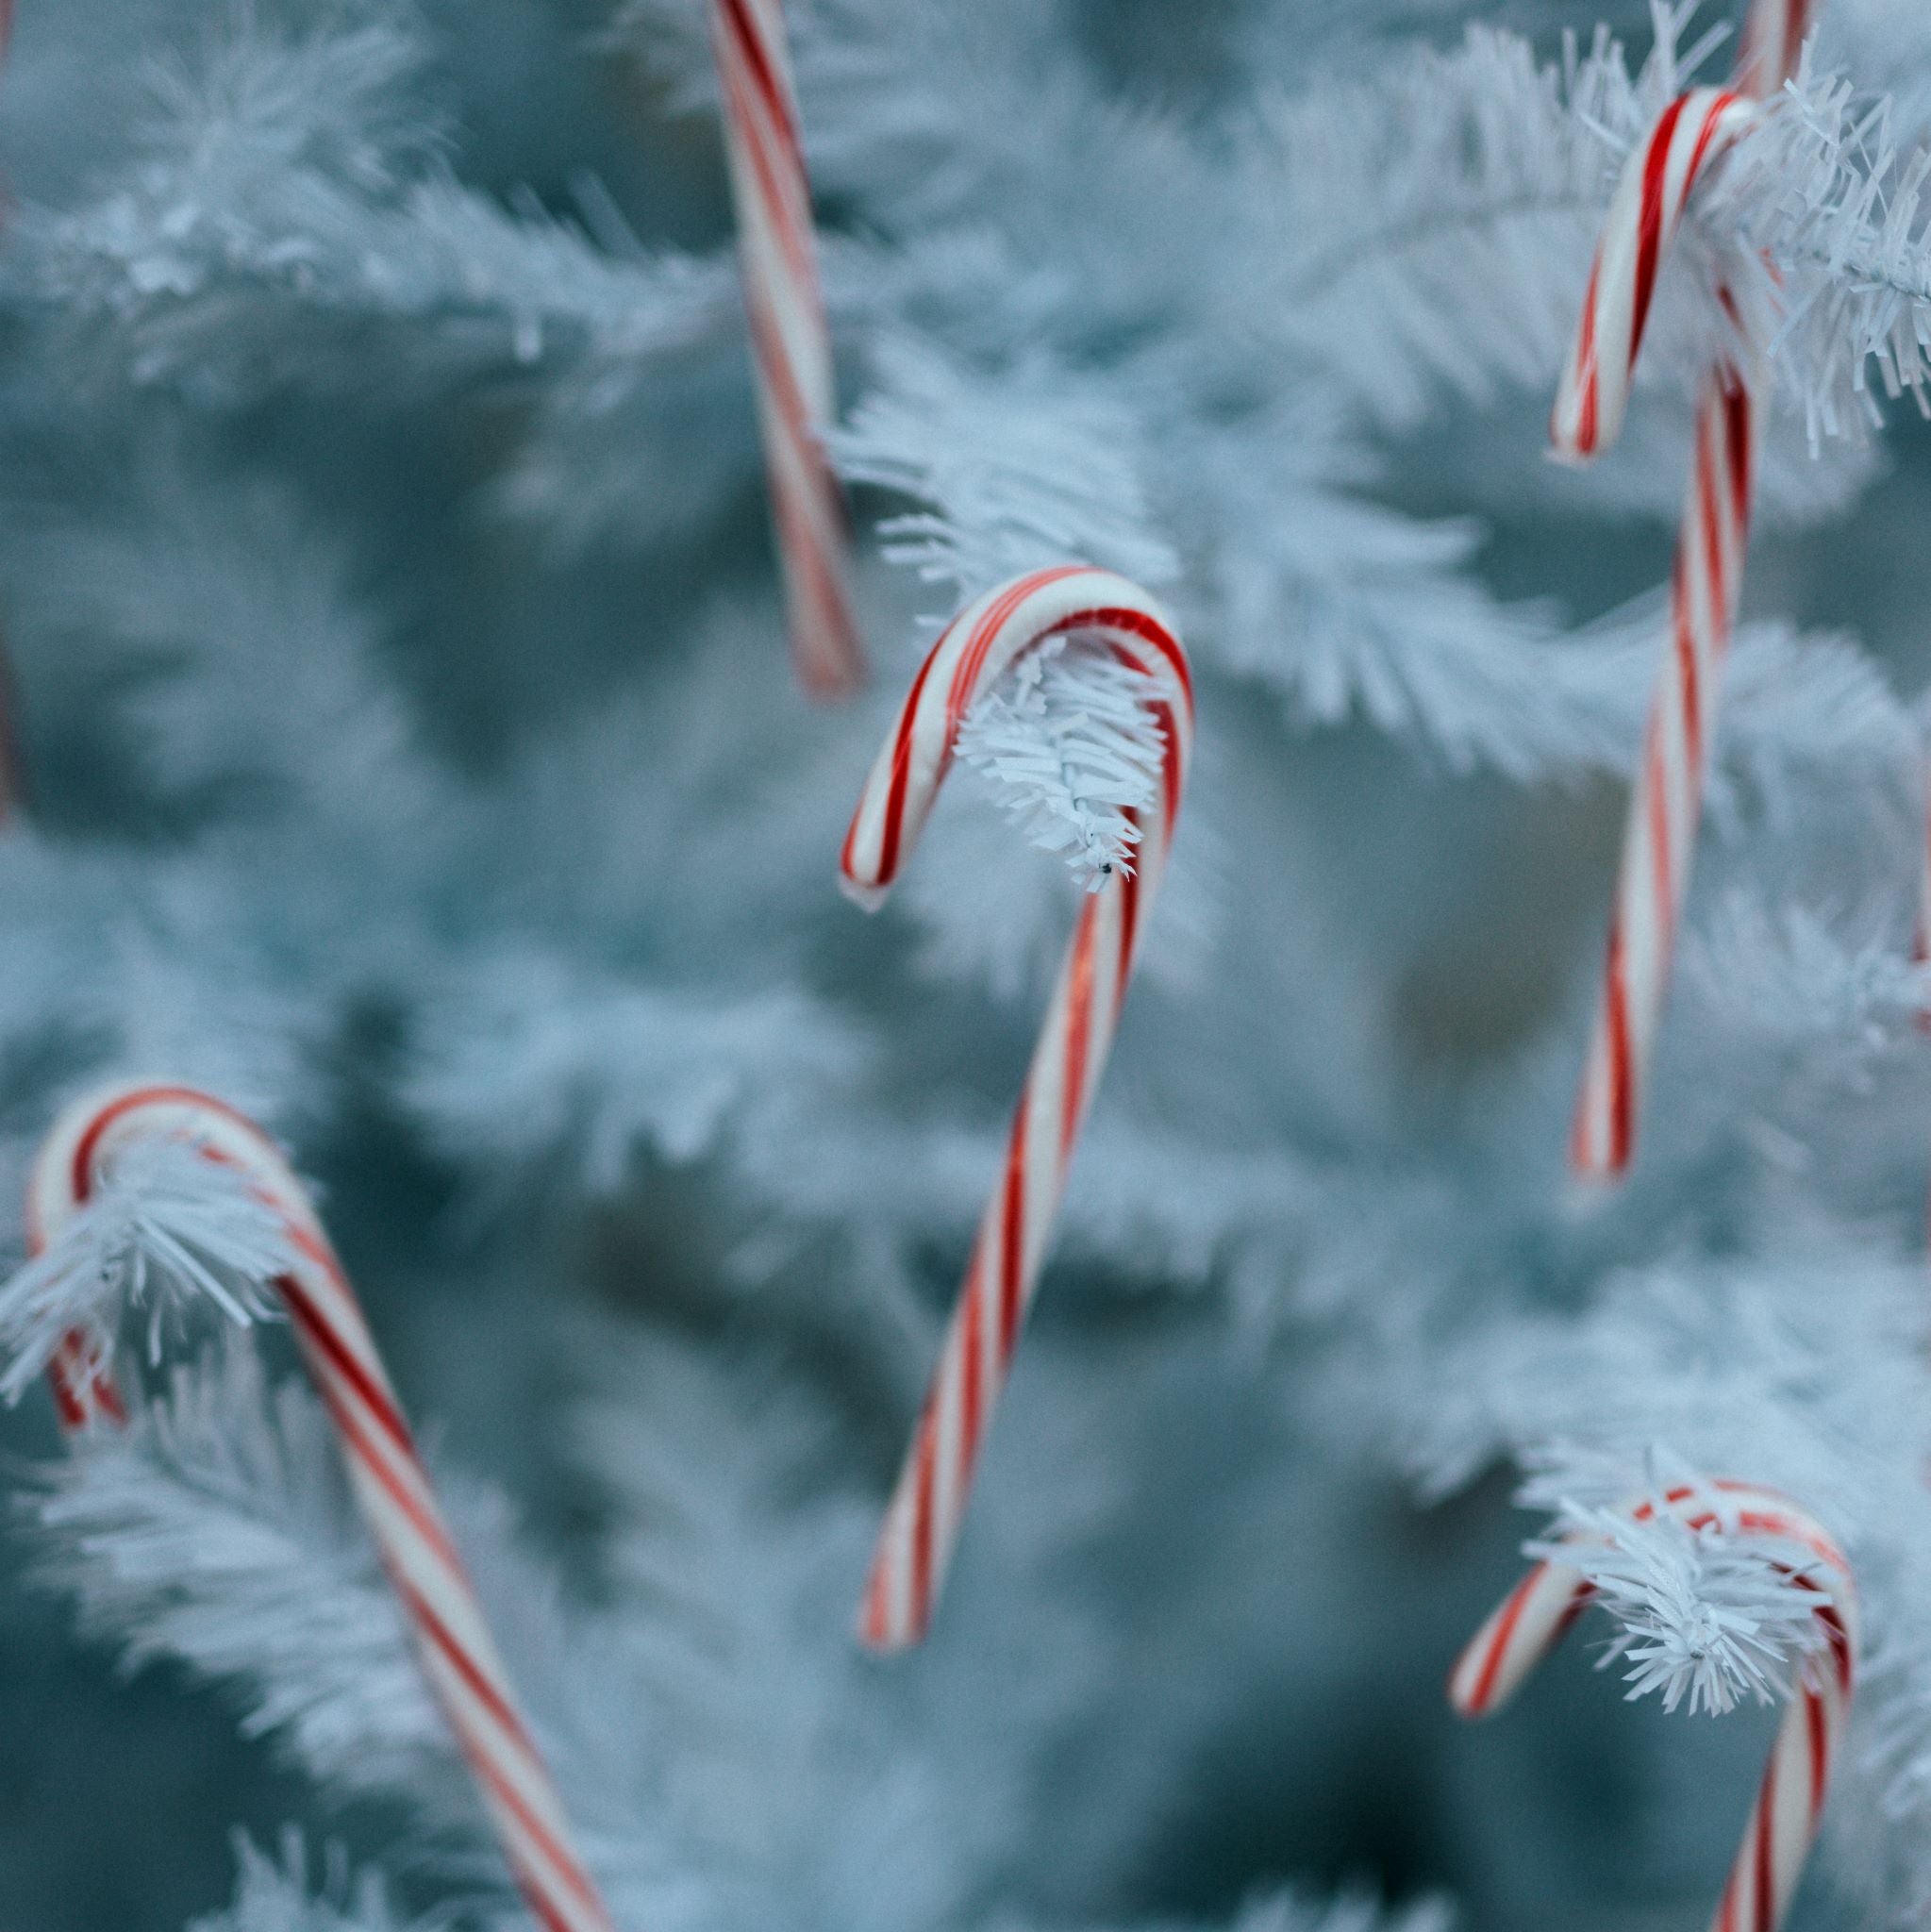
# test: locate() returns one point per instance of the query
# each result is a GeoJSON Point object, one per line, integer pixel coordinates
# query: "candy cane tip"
{"type": "Point", "coordinates": [834, 686]}
{"type": "Point", "coordinates": [878, 1635]}
{"type": "Point", "coordinates": [1572, 437]}
{"type": "Point", "coordinates": [867, 898]}
{"type": "Point", "coordinates": [1573, 442]}
{"type": "Point", "coordinates": [1468, 1698]}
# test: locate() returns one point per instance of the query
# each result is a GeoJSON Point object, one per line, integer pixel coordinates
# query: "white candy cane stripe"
{"type": "Point", "coordinates": [1790, 1803]}
{"type": "Point", "coordinates": [1666, 802]}
{"type": "Point", "coordinates": [1645, 213]}
{"type": "Point", "coordinates": [390, 1485]}
{"type": "Point", "coordinates": [922, 1522]}
{"type": "Point", "coordinates": [790, 341]}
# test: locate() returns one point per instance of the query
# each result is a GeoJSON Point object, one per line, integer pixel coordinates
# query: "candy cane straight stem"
{"type": "Point", "coordinates": [922, 1522]}
{"type": "Point", "coordinates": [790, 344]}
{"type": "Point", "coordinates": [1773, 35]}
{"type": "Point", "coordinates": [457, 1654]}
{"type": "Point", "coordinates": [1531, 1619]}
{"type": "Point", "coordinates": [1666, 802]}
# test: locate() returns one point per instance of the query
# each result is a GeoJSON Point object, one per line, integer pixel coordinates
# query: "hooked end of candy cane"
{"type": "Point", "coordinates": [58, 1178]}
{"type": "Point", "coordinates": [1521, 1630]}
{"type": "Point", "coordinates": [1479, 1685]}
{"type": "Point", "coordinates": [65, 1168]}
{"type": "Point", "coordinates": [1461, 1688]}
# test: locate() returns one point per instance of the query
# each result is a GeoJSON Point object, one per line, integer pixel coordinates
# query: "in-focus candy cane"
{"type": "Point", "coordinates": [391, 1487]}
{"type": "Point", "coordinates": [1531, 1619]}
{"type": "Point", "coordinates": [1706, 586]}
{"type": "Point", "coordinates": [922, 1522]}
{"type": "Point", "coordinates": [790, 341]}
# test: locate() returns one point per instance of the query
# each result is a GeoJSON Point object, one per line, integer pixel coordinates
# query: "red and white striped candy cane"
{"type": "Point", "coordinates": [981, 643]}
{"type": "Point", "coordinates": [1774, 36]}
{"type": "Point", "coordinates": [391, 1487]}
{"type": "Point", "coordinates": [1532, 1618]}
{"type": "Point", "coordinates": [790, 341]}
{"type": "Point", "coordinates": [1644, 214]}
{"type": "Point", "coordinates": [1706, 586]}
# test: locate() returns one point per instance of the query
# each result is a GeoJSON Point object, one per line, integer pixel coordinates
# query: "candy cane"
{"type": "Point", "coordinates": [790, 344]}
{"type": "Point", "coordinates": [1645, 212]}
{"type": "Point", "coordinates": [1660, 836]}
{"type": "Point", "coordinates": [1774, 36]}
{"type": "Point", "coordinates": [457, 1655]}
{"type": "Point", "coordinates": [1530, 1620]}
{"type": "Point", "coordinates": [986, 638]}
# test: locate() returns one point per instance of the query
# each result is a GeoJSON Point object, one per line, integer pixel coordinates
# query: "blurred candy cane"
{"type": "Point", "coordinates": [1531, 1619]}
{"type": "Point", "coordinates": [789, 341]}
{"type": "Point", "coordinates": [981, 643]}
{"type": "Point", "coordinates": [1665, 805]}
{"type": "Point", "coordinates": [1774, 36]}
{"type": "Point", "coordinates": [459, 1657]}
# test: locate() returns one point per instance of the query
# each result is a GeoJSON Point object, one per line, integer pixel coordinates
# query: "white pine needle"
{"type": "Point", "coordinates": [167, 1228]}
{"type": "Point", "coordinates": [1707, 1614]}
{"type": "Point", "coordinates": [1070, 750]}
{"type": "Point", "coordinates": [287, 1895]}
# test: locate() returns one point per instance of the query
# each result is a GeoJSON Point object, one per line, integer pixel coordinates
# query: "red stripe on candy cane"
{"type": "Point", "coordinates": [790, 344]}
{"type": "Point", "coordinates": [459, 1657]}
{"type": "Point", "coordinates": [1531, 1619]}
{"type": "Point", "coordinates": [976, 649]}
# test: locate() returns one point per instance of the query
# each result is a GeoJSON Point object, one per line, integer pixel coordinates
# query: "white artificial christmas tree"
{"type": "Point", "coordinates": [411, 757]}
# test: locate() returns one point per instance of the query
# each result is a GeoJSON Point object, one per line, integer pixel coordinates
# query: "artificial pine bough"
{"type": "Point", "coordinates": [389, 576]}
